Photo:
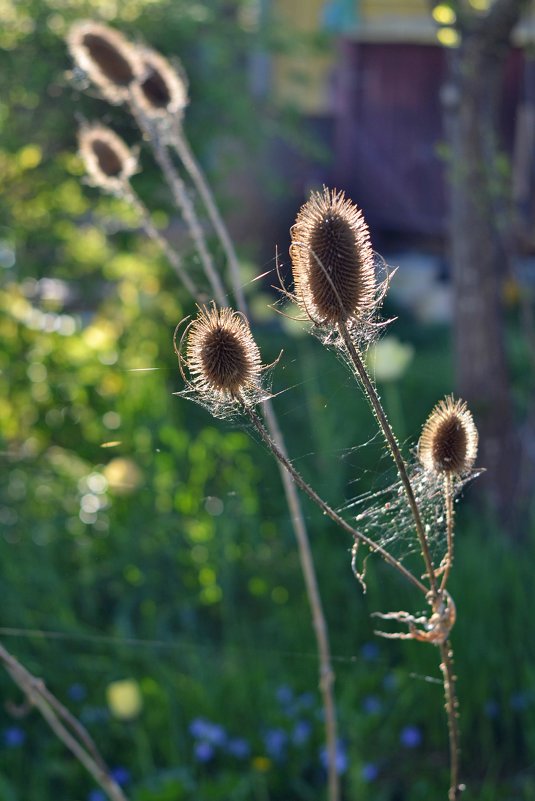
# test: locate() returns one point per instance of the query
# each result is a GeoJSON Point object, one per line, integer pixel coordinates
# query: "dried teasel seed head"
{"type": "Point", "coordinates": [448, 443]}
{"type": "Point", "coordinates": [106, 56]}
{"type": "Point", "coordinates": [221, 354]}
{"type": "Point", "coordinates": [332, 260]}
{"type": "Point", "coordinates": [108, 160]}
{"type": "Point", "coordinates": [161, 89]}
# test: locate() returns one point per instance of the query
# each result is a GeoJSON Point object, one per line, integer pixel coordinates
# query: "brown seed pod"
{"type": "Point", "coordinates": [222, 358]}
{"type": "Point", "coordinates": [448, 443]}
{"type": "Point", "coordinates": [108, 160]}
{"type": "Point", "coordinates": [161, 89]}
{"type": "Point", "coordinates": [332, 260]}
{"type": "Point", "coordinates": [106, 56]}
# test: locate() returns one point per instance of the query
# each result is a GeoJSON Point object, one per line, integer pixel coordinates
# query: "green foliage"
{"type": "Point", "coordinates": [149, 544]}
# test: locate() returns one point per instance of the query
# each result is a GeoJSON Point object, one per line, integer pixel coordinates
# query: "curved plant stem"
{"type": "Point", "coordinates": [448, 500]}
{"type": "Point", "coordinates": [325, 508]}
{"type": "Point", "coordinates": [182, 200]}
{"type": "Point", "coordinates": [152, 232]}
{"type": "Point", "coordinates": [314, 598]}
{"type": "Point", "coordinates": [446, 666]}
{"type": "Point", "coordinates": [180, 143]}
{"type": "Point", "coordinates": [394, 450]}
{"type": "Point", "coordinates": [69, 730]}
{"type": "Point", "coordinates": [326, 677]}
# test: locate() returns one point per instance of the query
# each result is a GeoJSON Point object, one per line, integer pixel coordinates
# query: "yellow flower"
{"type": "Point", "coordinates": [124, 699]}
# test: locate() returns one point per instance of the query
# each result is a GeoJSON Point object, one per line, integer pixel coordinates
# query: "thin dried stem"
{"type": "Point", "coordinates": [152, 232]}
{"type": "Point", "coordinates": [386, 428]}
{"type": "Point", "coordinates": [448, 501]}
{"type": "Point", "coordinates": [180, 143]}
{"type": "Point", "coordinates": [78, 740]}
{"type": "Point", "coordinates": [325, 508]}
{"type": "Point", "coordinates": [446, 666]}
{"type": "Point", "coordinates": [319, 623]}
{"type": "Point", "coordinates": [182, 200]}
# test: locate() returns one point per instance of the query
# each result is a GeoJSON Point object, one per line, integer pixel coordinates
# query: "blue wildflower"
{"type": "Point", "coordinates": [301, 732]}
{"type": "Point", "coordinates": [275, 741]}
{"type": "Point", "coordinates": [369, 772]}
{"type": "Point", "coordinates": [369, 651]}
{"type": "Point", "coordinates": [371, 704]}
{"type": "Point", "coordinates": [203, 751]}
{"type": "Point", "coordinates": [14, 737]}
{"type": "Point", "coordinates": [212, 733]}
{"type": "Point", "coordinates": [410, 736]}
{"type": "Point", "coordinates": [121, 775]}
{"type": "Point", "coordinates": [284, 695]}
{"type": "Point", "coordinates": [342, 761]}
{"type": "Point", "coordinates": [239, 748]}
{"type": "Point", "coordinates": [519, 701]}
{"type": "Point", "coordinates": [77, 692]}
{"type": "Point", "coordinates": [96, 795]}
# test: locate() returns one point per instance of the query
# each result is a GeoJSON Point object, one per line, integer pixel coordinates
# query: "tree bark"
{"type": "Point", "coordinates": [477, 242]}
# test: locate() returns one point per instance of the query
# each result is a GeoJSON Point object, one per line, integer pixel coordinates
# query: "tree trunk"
{"type": "Point", "coordinates": [478, 253]}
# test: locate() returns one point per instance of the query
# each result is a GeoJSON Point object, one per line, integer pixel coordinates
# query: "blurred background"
{"type": "Point", "coordinates": [148, 566]}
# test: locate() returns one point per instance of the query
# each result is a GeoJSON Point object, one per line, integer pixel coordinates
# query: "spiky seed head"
{"type": "Point", "coordinates": [106, 56]}
{"type": "Point", "coordinates": [108, 160]}
{"type": "Point", "coordinates": [448, 443]}
{"type": "Point", "coordinates": [161, 89]}
{"type": "Point", "coordinates": [221, 354]}
{"type": "Point", "coordinates": [332, 259]}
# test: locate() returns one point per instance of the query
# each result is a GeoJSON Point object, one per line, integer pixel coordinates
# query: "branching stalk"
{"type": "Point", "coordinates": [394, 450]}
{"type": "Point", "coordinates": [180, 143]}
{"type": "Point", "coordinates": [446, 666]}
{"type": "Point", "coordinates": [69, 730]}
{"type": "Point", "coordinates": [448, 501]}
{"type": "Point", "coordinates": [325, 508]}
{"type": "Point", "coordinates": [152, 232]}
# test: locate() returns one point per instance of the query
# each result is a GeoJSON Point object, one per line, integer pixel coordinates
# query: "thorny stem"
{"type": "Point", "coordinates": [78, 741]}
{"type": "Point", "coordinates": [394, 450]}
{"type": "Point", "coordinates": [326, 509]}
{"type": "Point", "coordinates": [448, 500]}
{"type": "Point", "coordinates": [152, 232]}
{"type": "Point", "coordinates": [318, 617]}
{"type": "Point", "coordinates": [446, 666]}
{"type": "Point", "coordinates": [180, 143]}
{"type": "Point", "coordinates": [183, 201]}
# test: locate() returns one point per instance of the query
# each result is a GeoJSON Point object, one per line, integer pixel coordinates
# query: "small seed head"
{"type": "Point", "coordinates": [221, 354]}
{"type": "Point", "coordinates": [448, 443]}
{"type": "Point", "coordinates": [106, 56]}
{"type": "Point", "coordinates": [108, 160]}
{"type": "Point", "coordinates": [332, 260]}
{"type": "Point", "coordinates": [161, 89]}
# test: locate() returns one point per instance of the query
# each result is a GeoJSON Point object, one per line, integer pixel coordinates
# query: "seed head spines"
{"type": "Point", "coordinates": [332, 260]}
{"type": "Point", "coordinates": [107, 57]}
{"type": "Point", "coordinates": [108, 160]}
{"type": "Point", "coordinates": [449, 439]}
{"type": "Point", "coordinates": [161, 88]}
{"type": "Point", "coordinates": [220, 361]}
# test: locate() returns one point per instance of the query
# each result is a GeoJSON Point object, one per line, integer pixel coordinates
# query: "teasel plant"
{"type": "Point", "coordinates": [335, 285]}
{"type": "Point", "coordinates": [155, 92]}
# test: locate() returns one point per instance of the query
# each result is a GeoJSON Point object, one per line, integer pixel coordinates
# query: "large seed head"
{"type": "Point", "coordinates": [332, 259]}
{"type": "Point", "coordinates": [106, 56]}
{"type": "Point", "coordinates": [108, 160]}
{"type": "Point", "coordinates": [448, 443]}
{"type": "Point", "coordinates": [221, 353]}
{"type": "Point", "coordinates": [161, 89]}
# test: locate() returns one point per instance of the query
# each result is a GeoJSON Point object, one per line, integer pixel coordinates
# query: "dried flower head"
{"type": "Point", "coordinates": [106, 56]}
{"type": "Point", "coordinates": [161, 89]}
{"type": "Point", "coordinates": [222, 360]}
{"type": "Point", "coordinates": [332, 260]}
{"type": "Point", "coordinates": [108, 160]}
{"type": "Point", "coordinates": [448, 443]}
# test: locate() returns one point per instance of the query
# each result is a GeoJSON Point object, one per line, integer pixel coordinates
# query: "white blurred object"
{"type": "Point", "coordinates": [389, 358]}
